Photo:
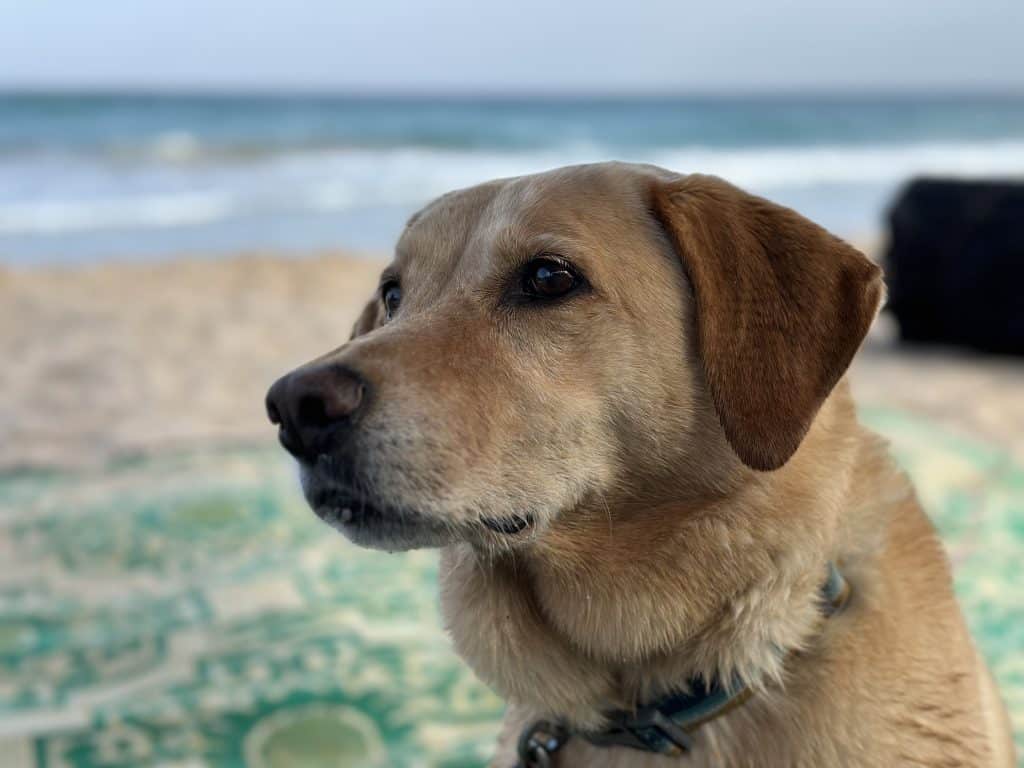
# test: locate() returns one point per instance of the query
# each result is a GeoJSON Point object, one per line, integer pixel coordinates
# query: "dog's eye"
{"type": "Point", "coordinates": [549, 279]}
{"type": "Point", "coordinates": [391, 295]}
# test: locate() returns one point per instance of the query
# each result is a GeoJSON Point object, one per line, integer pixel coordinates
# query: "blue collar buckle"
{"type": "Point", "coordinates": [648, 730]}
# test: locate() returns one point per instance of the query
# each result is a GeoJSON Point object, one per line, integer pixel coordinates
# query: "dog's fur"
{"type": "Point", "coordinates": [687, 451]}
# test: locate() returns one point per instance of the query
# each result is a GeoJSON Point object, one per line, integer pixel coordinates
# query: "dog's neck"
{"type": "Point", "coordinates": [607, 611]}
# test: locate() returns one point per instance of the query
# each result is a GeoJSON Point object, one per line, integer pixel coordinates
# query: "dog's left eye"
{"type": "Point", "coordinates": [549, 279]}
{"type": "Point", "coordinates": [391, 295]}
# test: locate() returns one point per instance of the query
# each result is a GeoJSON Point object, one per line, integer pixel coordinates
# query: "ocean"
{"type": "Point", "coordinates": [90, 176]}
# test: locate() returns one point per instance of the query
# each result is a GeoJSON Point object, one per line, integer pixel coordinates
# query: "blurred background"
{"type": "Point", "coordinates": [197, 196]}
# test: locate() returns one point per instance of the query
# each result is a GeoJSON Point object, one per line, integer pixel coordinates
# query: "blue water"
{"type": "Point", "coordinates": [91, 176]}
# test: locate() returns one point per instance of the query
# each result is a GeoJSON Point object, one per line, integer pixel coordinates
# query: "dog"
{"type": "Point", "coordinates": [614, 397]}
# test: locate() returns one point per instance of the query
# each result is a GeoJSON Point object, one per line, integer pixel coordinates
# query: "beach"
{"type": "Point", "coordinates": [110, 360]}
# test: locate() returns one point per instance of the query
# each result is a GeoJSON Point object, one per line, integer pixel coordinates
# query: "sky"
{"type": "Point", "coordinates": [513, 46]}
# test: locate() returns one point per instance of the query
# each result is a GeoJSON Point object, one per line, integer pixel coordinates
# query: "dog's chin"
{"type": "Point", "coordinates": [372, 524]}
{"type": "Point", "coordinates": [394, 531]}
{"type": "Point", "coordinates": [369, 523]}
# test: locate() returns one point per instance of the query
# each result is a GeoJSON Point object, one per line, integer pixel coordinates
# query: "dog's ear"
{"type": "Point", "coordinates": [371, 317]}
{"type": "Point", "coordinates": [782, 306]}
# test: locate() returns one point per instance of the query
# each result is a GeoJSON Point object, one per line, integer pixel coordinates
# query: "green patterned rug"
{"type": "Point", "coordinates": [189, 611]}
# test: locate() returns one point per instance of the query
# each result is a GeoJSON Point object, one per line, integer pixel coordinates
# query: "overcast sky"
{"type": "Point", "coordinates": [515, 45]}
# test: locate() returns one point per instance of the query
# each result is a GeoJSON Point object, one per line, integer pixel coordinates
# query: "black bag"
{"type": "Point", "coordinates": [955, 263]}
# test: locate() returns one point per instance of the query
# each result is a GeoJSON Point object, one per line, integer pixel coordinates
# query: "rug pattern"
{"type": "Point", "coordinates": [188, 610]}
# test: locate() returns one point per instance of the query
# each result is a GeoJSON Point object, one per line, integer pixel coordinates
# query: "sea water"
{"type": "Point", "coordinates": [88, 176]}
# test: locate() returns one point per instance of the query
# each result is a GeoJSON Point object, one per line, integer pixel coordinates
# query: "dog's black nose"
{"type": "Point", "coordinates": [313, 405]}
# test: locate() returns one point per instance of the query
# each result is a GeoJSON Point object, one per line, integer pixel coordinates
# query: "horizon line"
{"type": "Point", "coordinates": [510, 94]}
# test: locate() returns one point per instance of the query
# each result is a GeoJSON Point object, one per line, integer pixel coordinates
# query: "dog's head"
{"type": "Point", "coordinates": [592, 335]}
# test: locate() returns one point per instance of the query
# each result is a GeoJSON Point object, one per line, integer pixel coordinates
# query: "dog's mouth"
{"type": "Point", "coordinates": [508, 525]}
{"type": "Point", "coordinates": [340, 513]}
{"type": "Point", "coordinates": [369, 523]}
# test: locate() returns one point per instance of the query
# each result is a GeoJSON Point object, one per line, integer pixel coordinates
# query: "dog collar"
{"type": "Point", "coordinates": [666, 726]}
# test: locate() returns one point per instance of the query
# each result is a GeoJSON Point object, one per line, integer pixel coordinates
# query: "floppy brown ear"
{"type": "Point", "coordinates": [371, 317]}
{"type": "Point", "coordinates": [782, 306]}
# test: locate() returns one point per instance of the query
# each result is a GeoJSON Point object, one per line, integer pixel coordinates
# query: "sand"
{"type": "Point", "coordinates": [111, 360]}
{"type": "Point", "coordinates": [115, 359]}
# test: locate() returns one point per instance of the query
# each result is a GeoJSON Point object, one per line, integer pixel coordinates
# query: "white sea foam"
{"type": "Point", "coordinates": [176, 146]}
{"type": "Point", "coordinates": [93, 193]}
{"type": "Point", "coordinates": [413, 175]}
{"type": "Point", "coordinates": [122, 213]}
{"type": "Point", "coordinates": [870, 164]}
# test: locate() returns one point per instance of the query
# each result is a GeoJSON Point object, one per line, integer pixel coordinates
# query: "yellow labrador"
{"type": "Point", "coordinates": [613, 396]}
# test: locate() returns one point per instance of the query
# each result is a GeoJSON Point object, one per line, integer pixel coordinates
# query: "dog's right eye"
{"type": "Point", "coordinates": [391, 295]}
{"type": "Point", "coordinates": [547, 278]}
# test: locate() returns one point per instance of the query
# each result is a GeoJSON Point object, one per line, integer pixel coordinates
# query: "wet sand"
{"type": "Point", "coordinates": [112, 360]}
